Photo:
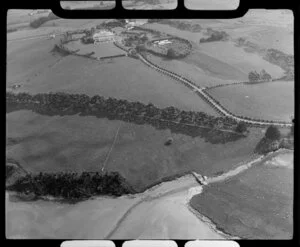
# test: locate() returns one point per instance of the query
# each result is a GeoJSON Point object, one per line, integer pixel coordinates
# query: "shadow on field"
{"type": "Point", "coordinates": [211, 135]}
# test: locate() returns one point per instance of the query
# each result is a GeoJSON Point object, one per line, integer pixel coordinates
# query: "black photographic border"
{"type": "Point", "coordinates": [183, 13]}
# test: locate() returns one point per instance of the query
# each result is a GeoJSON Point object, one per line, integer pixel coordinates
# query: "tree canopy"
{"type": "Point", "coordinates": [241, 127]}
{"type": "Point", "coordinates": [171, 53]}
{"type": "Point", "coordinates": [272, 133]}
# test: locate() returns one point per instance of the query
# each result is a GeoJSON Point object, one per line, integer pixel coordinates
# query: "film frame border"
{"type": "Point", "coordinates": [180, 12]}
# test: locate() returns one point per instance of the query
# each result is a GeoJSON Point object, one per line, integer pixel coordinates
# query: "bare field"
{"type": "Point", "coordinates": [270, 100]}
{"type": "Point", "coordinates": [257, 204]}
{"type": "Point", "coordinates": [243, 61]}
{"type": "Point", "coordinates": [192, 72]}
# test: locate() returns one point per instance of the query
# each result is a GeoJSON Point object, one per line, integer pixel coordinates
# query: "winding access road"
{"type": "Point", "coordinates": [209, 99]}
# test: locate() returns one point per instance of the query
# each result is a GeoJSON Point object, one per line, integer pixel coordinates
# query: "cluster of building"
{"type": "Point", "coordinates": [103, 36]}
{"type": "Point", "coordinates": [162, 42]}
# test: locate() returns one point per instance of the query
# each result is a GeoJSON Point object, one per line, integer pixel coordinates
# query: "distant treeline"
{"type": "Point", "coordinates": [10, 30]}
{"type": "Point", "coordinates": [274, 56]}
{"type": "Point", "coordinates": [181, 25]}
{"type": "Point", "coordinates": [41, 20]}
{"type": "Point", "coordinates": [263, 76]}
{"type": "Point", "coordinates": [284, 61]}
{"type": "Point", "coordinates": [68, 102]}
{"type": "Point", "coordinates": [214, 36]}
{"type": "Point", "coordinates": [191, 123]}
{"type": "Point", "coordinates": [71, 185]}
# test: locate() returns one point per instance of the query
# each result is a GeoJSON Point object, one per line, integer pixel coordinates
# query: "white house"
{"type": "Point", "coordinates": [103, 36]}
{"type": "Point", "coordinates": [164, 42]}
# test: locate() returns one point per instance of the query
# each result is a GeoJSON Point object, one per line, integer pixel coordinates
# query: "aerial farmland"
{"type": "Point", "coordinates": [132, 116]}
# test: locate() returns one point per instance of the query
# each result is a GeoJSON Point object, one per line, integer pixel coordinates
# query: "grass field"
{"type": "Point", "coordinates": [243, 61]}
{"type": "Point", "coordinates": [123, 78]}
{"type": "Point", "coordinates": [257, 204]}
{"type": "Point", "coordinates": [101, 50]}
{"type": "Point", "coordinates": [66, 143]}
{"type": "Point", "coordinates": [192, 72]}
{"type": "Point", "coordinates": [271, 100]}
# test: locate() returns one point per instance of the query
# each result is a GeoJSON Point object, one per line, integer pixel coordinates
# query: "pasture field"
{"type": "Point", "coordinates": [257, 204]}
{"type": "Point", "coordinates": [17, 16]}
{"type": "Point", "coordinates": [243, 61]}
{"type": "Point", "coordinates": [123, 78]}
{"type": "Point", "coordinates": [73, 23]}
{"type": "Point", "coordinates": [269, 100]}
{"type": "Point", "coordinates": [192, 72]}
{"type": "Point", "coordinates": [101, 50]}
{"type": "Point", "coordinates": [28, 58]}
{"type": "Point", "coordinates": [68, 143]}
{"type": "Point", "coordinates": [219, 60]}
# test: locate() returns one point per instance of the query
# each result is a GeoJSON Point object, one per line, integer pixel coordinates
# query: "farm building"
{"type": "Point", "coordinates": [103, 36]}
{"type": "Point", "coordinates": [164, 42]}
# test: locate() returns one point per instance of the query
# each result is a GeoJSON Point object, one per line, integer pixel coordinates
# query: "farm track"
{"type": "Point", "coordinates": [210, 100]}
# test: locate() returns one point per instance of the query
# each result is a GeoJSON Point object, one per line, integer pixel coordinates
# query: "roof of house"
{"type": "Point", "coordinates": [102, 33]}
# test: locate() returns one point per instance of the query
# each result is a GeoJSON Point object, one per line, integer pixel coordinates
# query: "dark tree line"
{"type": "Point", "coordinates": [122, 109]}
{"type": "Point", "coordinates": [214, 36]}
{"type": "Point", "coordinates": [72, 186]}
{"type": "Point", "coordinates": [254, 76]}
{"type": "Point", "coordinates": [41, 20]}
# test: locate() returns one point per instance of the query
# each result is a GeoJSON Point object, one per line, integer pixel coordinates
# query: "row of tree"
{"type": "Point", "coordinates": [123, 109]}
{"type": "Point", "coordinates": [254, 76]}
{"type": "Point", "coordinates": [72, 186]}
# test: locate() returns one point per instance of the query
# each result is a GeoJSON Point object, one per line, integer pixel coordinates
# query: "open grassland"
{"type": "Point", "coordinates": [17, 16]}
{"type": "Point", "coordinates": [123, 78]}
{"type": "Point", "coordinates": [269, 101]}
{"type": "Point", "coordinates": [73, 23]}
{"type": "Point", "coordinates": [218, 60]}
{"type": "Point", "coordinates": [194, 73]}
{"type": "Point", "coordinates": [101, 50]}
{"type": "Point", "coordinates": [215, 67]}
{"type": "Point", "coordinates": [26, 59]}
{"type": "Point", "coordinates": [245, 62]}
{"type": "Point", "coordinates": [77, 143]}
{"type": "Point", "coordinates": [257, 204]}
